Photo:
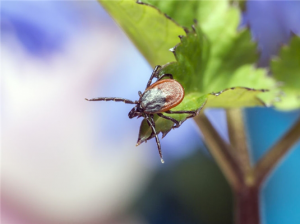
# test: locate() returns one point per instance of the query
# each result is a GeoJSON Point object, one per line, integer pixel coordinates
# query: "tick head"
{"type": "Point", "coordinates": [137, 111]}
{"type": "Point", "coordinates": [132, 113]}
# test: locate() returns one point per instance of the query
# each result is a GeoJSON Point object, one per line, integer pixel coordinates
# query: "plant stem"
{"type": "Point", "coordinates": [238, 140]}
{"type": "Point", "coordinates": [235, 164]}
{"type": "Point", "coordinates": [276, 153]}
{"type": "Point", "coordinates": [247, 206]}
{"type": "Point", "coordinates": [221, 152]}
{"type": "Point", "coordinates": [234, 161]}
{"type": "Point", "coordinates": [247, 198]}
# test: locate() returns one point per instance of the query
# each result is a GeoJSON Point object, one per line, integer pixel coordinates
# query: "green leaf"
{"type": "Point", "coordinates": [286, 69]}
{"type": "Point", "coordinates": [219, 59]}
{"type": "Point", "coordinates": [257, 79]}
{"type": "Point", "coordinates": [191, 55]}
{"type": "Point", "coordinates": [149, 29]}
{"type": "Point", "coordinates": [216, 18]}
{"type": "Point", "coordinates": [192, 68]}
{"type": "Point", "coordinates": [189, 70]}
{"type": "Point", "coordinates": [161, 126]}
{"type": "Point", "coordinates": [235, 97]}
{"type": "Point", "coordinates": [231, 54]}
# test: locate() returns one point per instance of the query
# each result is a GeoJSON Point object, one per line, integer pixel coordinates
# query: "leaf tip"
{"type": "Point", "coordinates": [138, 142]}
{"type": "Point", "coordinates": [172, 49]}
{"type": "Point", "coordinates": [164, 133]}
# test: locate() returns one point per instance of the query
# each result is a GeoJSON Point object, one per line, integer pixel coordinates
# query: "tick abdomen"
{"type": "Point", "coordinates": [162, 96]}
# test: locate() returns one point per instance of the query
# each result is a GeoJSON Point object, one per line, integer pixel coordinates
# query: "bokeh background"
{"type": "Point", "coordinates": [66, 160]}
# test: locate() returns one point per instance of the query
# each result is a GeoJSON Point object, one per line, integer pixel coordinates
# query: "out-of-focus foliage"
{"type": "Point", "coordinates": [151, 31]}
{"type": "Point", "coordinates": [286, 69]}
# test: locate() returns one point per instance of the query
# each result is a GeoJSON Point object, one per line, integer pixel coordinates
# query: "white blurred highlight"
{"type": "Point", "coordinates": [53, 169]}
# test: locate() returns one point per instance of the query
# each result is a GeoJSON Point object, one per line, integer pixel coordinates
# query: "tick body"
{"type": "Point", "coordinates": [158, 98]}
{"type": "Point", "coordinates": [162, 96]}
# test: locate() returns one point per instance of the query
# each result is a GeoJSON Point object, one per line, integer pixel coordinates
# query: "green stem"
{"type": "Point", "coordinates": [276, 153]}
{"type": "Point", "coordinates": [238, 140]}
{"type": "Point", "coordinates": [221, 151]}
{"type": "Point", "coordinates": [247, 198]}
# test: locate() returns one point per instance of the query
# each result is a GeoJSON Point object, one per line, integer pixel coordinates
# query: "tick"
{"type": "Point", "coordinates": [158, 98]}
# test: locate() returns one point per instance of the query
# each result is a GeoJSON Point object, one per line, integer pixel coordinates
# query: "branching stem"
{"type": "Point", "coordinates": [246, 180]}
{"type": "Point", "coordinates": [276, 153]}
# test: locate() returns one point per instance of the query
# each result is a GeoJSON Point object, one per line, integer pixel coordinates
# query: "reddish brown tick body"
{"type": "Point", "coordinates": [162, 96]}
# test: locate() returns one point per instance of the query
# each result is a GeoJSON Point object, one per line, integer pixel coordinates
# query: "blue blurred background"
{"type": "Point", "coordinates": [65, 160]}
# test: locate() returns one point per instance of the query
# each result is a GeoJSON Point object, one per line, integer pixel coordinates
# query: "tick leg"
{"type": "Point", "coordinates": [156, 138]}
{"type": "Point", "coordinates": [152, 119]}
{"type": "Point", "coordinates": [116, 99]}
{"type": "Point", "coordinates": [154, 74]}
{"type": "Point", "coordinates": [165, 75]}
{"type": "Point", "coordinates": [177, 123]}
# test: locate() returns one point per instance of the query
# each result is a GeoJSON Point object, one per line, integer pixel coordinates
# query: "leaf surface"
{"type": "Point", "coordinates": [286, 69]}
{"type": "Point", "coordinates": [149, 29]}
